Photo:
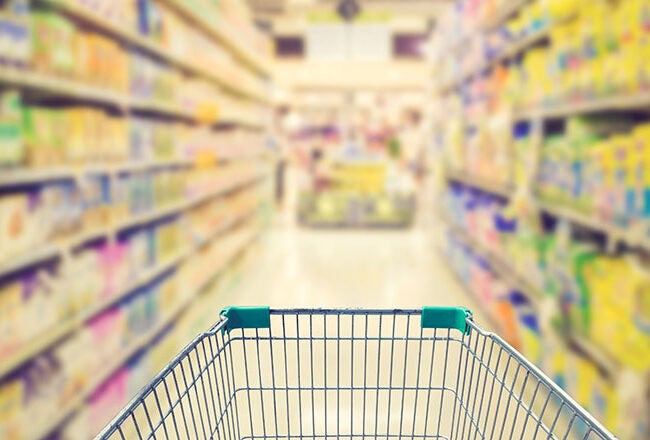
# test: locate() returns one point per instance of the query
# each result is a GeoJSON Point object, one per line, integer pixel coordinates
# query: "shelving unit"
{"type": "Point", "coordinates": [74, 90]}
{"type": "Point", "coordinates": [512, 278]}
{"type": "Point", "coordinates": [133, 39]}
{"type": "Point", "coordinates": [28, 176]}
{"type": "Point", "coordinates": [614, 234]}
{"type": "Point", "coordinates": [510, 52]}
{"type": "Point", "coordinates": [51, 336]}
{"type": "Point", "coordinates": [499, 264]}
{"type": "Point", "coordinates": [508, 9]}
{"type": "Point", "coordinates": [479, 183]}
{"type": "Point", "coordinates": [53, 251]}
{"type": "Point", "coordinates": [241, 89]}
{"type": "Point", "coordinates": [222, 35]}
{"type": "Point", "coordinates": [139, 344]}
{"type": "Point", "coordinates": [539, 119]}
{"type": "Point", "coordinates": [618, 103]}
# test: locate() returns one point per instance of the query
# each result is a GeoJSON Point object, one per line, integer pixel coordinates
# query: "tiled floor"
{"type": "Point", "coordinates": [374, 269]}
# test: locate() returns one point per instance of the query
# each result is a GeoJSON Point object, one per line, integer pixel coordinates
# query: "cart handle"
{"type": "Point", "coordinates": [246, 317]}
{"type": "Point", "coordinates": [446, 317]}
{"type": "Point", "coordinates": [431, 317]}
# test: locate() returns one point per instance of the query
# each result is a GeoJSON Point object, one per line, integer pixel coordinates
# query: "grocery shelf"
{"type": "Point", "coordinates": [604, 362]}
{"type": "Point", "coordinates": [615, 234]}
{"type": "Point", "coordinates": [22, 176]}
{"type": "Point", "coordinates": [503, 13]}
{"type": "Point", "coordinates": [39, 255]}
{"type": "Point", "coordinates": [521, 45]}
{"type": "Point", "coordinates": [203, 284]}
{"type": "Point", "coordinates": [578, 218]}
{"type": "Point", "coordinates": [39, 343]}
{"type": "Point", "coordinates": [479, 183]}
{"type": "Point", "coordinates": [499, 264]}
{"type": "Point", "coordinates": [26, 176]}
{"type": "Point", "coordinates": [242, 121]}
{"type": "Point", "coordinates": [74, 90]}
{"type": "Point", "coordinates": [509, 52]}
{"type": "Point", "coordinates": [624, 102]}
{"type": "Point", "coordinates": [118, 361]}
{"type": "Point", "coordinates": [487, 313]}
{"type": "Point", "coordinates": [228, 40]}
{"type": "Point", "coordinates": [44, 253]}
{"type": "Point", "coordinates": [184, 204]}
{"type": "Point", "coordinates": [52, 84]}
{"type": "Point", "coordinates": [53, 335]}
{"type": "Point", "coordinates": [139, 344]}
{"type": "Point", "coordinates": [132, 38]}
{"type": "Point", "coordinates": [148, 165]}
{"type": "Point", "coordinates": [162, 107]}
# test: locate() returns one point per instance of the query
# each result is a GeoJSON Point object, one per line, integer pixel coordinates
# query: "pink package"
{"type": "Point", "coordinates": [108, 399]}
{"type": "Point", "coordinates": [105, 333]}
{"type": "Point", "coordinates": [120, 264]}
{"type": "Point", "coordinates": [105, 264]}
{"type": "Point", "coordinates": [113, 267]}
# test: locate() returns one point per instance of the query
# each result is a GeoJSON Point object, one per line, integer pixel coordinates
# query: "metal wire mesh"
{"type": "Point", "coordinates": [353, 374]}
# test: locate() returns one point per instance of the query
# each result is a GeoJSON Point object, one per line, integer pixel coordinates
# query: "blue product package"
{"type": "Point", "coordinates": [144, 14]}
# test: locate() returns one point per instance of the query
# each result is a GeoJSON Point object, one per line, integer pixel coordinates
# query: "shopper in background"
{"type": "Point", "coordinates": [412, 139]}
{"type": "Point", "coordinates": [319, 170]}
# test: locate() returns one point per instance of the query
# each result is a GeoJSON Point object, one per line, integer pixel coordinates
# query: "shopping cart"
{"type": "Point", "coordinates": [319, 374]}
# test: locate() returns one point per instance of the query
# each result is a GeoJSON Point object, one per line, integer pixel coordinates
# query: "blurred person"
{"type": "Point", "coordinates": [319, 170]}
{"type": "Point", "coordinates": [352, 147]}
{"type": "Point", "coordinates": [412, 141]}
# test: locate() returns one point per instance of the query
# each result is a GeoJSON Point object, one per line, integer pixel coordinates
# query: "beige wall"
{"type": "Point", "coordinates": [300, 75]}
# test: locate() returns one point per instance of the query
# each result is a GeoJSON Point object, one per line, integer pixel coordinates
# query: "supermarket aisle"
{"type": "Point", "coordinates": [304, 268]}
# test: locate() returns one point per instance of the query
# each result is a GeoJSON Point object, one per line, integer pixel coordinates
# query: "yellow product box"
{"type": "Point", "coordinates": [559, 10]}
{"type": "Point", "coordinates": [644, 59]}
{"type": "Point", "coordinates": [82, 54]}
{"type": "Point", "coordinates": [10, 318]}
{"type": "Point", "coordinates": [12, 394]}
{"type": "Point", "coordinates": [604, 402]}
{"type": "Point", "coordinates": [627, 19]}
{"type": "Point", "coordinates": [631, 67]}
{"type": "Point", "coordinates": [586, 374]}
{"type": "Point", "coordinates": [75, 146]}
{"type": "Point", "coordinates": [611, 67]}
{"type": "Point", "coordinates": [554, 360]}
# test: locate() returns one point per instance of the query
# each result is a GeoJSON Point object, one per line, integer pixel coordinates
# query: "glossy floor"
{"type": "Point", "coordinates": [368, 269]}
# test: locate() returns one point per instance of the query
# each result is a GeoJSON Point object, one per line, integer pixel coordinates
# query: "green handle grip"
{"type": "Point", "coordinates": [432, 317]}
{"type": "Point", "coordinates": [446, 317]}
{"type": "Point", "coordinates": [247, 317]}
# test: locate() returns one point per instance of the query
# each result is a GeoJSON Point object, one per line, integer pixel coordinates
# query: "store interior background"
{"type": "Point", "coordinates": [162, 159]}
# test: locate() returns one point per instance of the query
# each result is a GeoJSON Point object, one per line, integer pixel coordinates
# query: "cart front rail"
{"type": "Point", "coordinates": [342, 373]}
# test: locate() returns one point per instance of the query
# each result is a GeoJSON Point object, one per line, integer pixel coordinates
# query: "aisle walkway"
{"type": "Point", "coordinates": [305, 268]}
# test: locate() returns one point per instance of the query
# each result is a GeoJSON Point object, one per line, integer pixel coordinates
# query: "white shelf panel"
{"type": "Point", "coordinates": [27, 176]}
{"type": "Point", "coordinates": [479, 183]}
{"type": "Point", "coordinates": [639, 101]}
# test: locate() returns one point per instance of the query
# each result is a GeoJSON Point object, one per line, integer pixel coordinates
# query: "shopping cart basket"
{"type": "Point", "coordinates": [318, 374]}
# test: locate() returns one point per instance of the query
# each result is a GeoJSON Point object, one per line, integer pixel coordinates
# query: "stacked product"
{"type": "Point", "coordinates": [586, 285]}
{"type": "Point", "coordinates": [117, 173]}
{"type": "Point", "coordinates": [127, 289]}
{"type": "Point", "coordinates": [599, 167]}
